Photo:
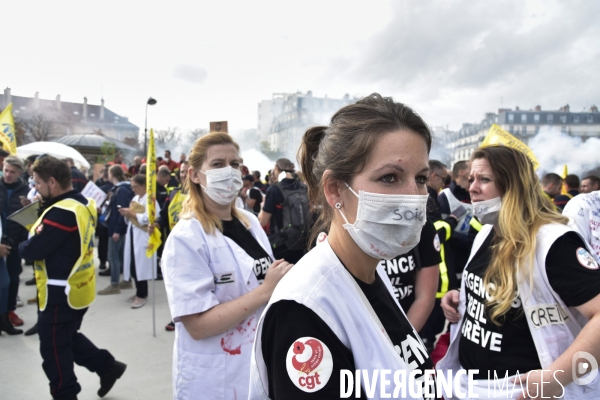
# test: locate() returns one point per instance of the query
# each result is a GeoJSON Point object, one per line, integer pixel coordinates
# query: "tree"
{"type": "Point", "coordinates": [196, 134]}
{"type": "Point", "coordinates": [167, 136]}
{"type": "Point", "coordinates": [108, 151]}
{"type": "Point", "coordinates": [20, 132]}
{"type": "Point", "coordinates": [38, 127]}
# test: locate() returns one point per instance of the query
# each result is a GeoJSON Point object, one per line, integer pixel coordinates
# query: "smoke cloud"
{"type": "Point", "coordinates": [554, 149]}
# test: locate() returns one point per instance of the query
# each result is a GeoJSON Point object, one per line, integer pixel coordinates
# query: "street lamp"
{"type": "Point", "coordinates": [150, 102]}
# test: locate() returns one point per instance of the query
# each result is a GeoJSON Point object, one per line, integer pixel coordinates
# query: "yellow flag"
{"type": "Point", "coordinates": [497, 135]}
{"type": "Point", "coordinates": [154, 240]}
{"type": "Point", "coordinates": [564, 190]}
{"type": "Point", "coordinates": [7, 130]}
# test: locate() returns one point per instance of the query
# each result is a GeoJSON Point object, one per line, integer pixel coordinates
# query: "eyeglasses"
{"type": "Point", "coordinates": [41, 156]}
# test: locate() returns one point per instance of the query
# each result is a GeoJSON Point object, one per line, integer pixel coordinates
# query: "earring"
{"type": "Point", "coordinates": [338, 205]}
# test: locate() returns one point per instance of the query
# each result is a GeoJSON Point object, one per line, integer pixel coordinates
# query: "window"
{"type": "Point", "coordinates": [550, 118]}
{"type": "Point", "coordinates": [523, 118]}
{"type": "Point", "coordinates": [511, 129]}
{"type": "Point", "coordinates": [576, 118]}
{"type": "Point", "coordinates": [537, 129]}
{"type": "Point", "coordinates": [563, 119]}
{"type": "Point", "coordinates": [590, 119]}
{"type": "Point", "coordinates": [511, 117]}
{"type": "Point", "coordinates": [536, 118]}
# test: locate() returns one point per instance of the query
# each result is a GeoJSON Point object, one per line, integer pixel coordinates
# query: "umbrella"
{"type": "Point", "coordinates": [53, 149]}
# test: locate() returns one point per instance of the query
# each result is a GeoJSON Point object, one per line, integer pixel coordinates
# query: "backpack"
{"type": "Point", "coordinates": [296, 219]}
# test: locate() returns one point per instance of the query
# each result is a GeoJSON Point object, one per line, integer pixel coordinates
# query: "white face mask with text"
{"type": "Point", "coordinates": [223, 184]}
{"type": "Point", "coordinates": [487, 211]}
{"type": "Point", "coordinates": [387, 225]}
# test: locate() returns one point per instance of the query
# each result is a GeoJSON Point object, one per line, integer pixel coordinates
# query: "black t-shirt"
{"type": "Point", "coordinates": [256, 194]}
{"type": "Point", "coordinates": [510, 347]}
{"type": "Point", "coordinates": [237, 232]}
{"type": "Point", "coordinates": [287, 321]}
{"type": "Point", "coordinates": [403, 269]}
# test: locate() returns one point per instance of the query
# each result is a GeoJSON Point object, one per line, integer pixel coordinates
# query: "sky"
{"type": "Point", "coordinates": [206, 61]}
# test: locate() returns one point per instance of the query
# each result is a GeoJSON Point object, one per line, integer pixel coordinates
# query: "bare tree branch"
{"type": "Point", "coordinates": [169, 135]}
{"type": "Point", "coordinates": [38, 127]}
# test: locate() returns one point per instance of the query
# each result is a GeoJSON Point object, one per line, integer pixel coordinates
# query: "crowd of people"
{"type": "Point", "coordinates": [372, 257]}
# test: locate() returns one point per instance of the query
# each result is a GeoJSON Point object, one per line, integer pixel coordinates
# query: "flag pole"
{"type": "Point", "coordinates": [154, 237]}
{"type": "Point", "coordinates": [154, 266]}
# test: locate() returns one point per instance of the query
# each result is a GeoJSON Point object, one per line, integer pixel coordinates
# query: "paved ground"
{"type": "Point", "coordinates": [111, 324]}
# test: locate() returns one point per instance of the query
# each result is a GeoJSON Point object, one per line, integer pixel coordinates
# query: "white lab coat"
{"type": "Point", "coordinates": [201, 271]}
{"type": "Point", "coordinates": [320, 282]}
{"type": "Point", "coordinates": [551, 339]}
{"type": "Point", "coordinates": [583, 211]}
{"type": "Point", "coordinates": [145, 268]}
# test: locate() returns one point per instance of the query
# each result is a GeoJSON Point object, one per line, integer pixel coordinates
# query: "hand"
{"type": "Point", "coordinates": [24, 201]}
{"type": "Point", "coordinates": [126, 212]}
{"type": "Point", "coordinates": [4, 250]}
{"type": "Point", "coordinates": [116, 237]}
{"type": "Point", "coordinates": [449, 304]}
{"type": "Point", "coordinates": [37, 197]}
{"type": "Point", "coordinates": [539, 384]}
{"type": "Point", "coordinates": [276, 271]}
{"type": "Point", "coordinates": [151, 228]}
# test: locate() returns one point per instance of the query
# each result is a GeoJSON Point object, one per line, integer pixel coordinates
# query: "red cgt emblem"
{"type": "Point", "coordinates": [315, 359]}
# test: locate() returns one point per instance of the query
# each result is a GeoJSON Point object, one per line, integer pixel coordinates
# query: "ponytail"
{"type": "Point", "coordinates": [307, 153]}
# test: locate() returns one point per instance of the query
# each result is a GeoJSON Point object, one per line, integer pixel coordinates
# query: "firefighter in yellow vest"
{"type": "Point", "coordinates": [61, 245]}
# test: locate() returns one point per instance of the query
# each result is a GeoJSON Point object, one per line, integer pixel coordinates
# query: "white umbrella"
{"type": "Point", "coordinates": [53, 149]}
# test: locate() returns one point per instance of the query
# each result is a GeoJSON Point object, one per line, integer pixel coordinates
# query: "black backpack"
{"type": "Point", "coordinates": [296, 219]}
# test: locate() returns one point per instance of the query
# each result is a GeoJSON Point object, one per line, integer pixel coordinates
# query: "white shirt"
{"type": "Point", "coordinates": [201, 271]}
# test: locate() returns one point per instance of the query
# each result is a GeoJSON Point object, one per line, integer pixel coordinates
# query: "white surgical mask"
{"type": "Point", "coordinates": [387, 225]}
{"type": "Point", "coordinates": [223, 184]}
{"type": "Point", "coordinates": [487, 211]}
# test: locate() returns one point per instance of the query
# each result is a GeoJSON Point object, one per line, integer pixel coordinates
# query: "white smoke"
{"type": "Point", "coordinates": [257, 161]}
{"type": "Point", "coordinates": [554, 149]}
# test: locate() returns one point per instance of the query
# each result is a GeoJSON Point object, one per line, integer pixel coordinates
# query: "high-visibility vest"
{"type": "Point", "coordinates": [175, 205]}
{"type": "Point", "coordinates": [444, 279]}
{"type": "Point", "coordinates": [80, 287]}
{"type": "Point", "coordinates": [550, 199]}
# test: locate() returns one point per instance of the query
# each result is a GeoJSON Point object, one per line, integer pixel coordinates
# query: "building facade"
{"type": "Point", "coordinates": [48, 119]}
{"type": "Point", "coordinates": [297, 113]}
{"type": "Point", "coordinates": [524, 124]}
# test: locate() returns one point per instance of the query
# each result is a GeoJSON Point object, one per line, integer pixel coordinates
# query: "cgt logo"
{"type": "Point", "coordinates": [584, 363]}
{"type": "Point", "coordinates": [309, 364]}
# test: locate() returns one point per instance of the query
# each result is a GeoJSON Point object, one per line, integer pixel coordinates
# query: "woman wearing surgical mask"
{"type": "Point", "coordinates": [530, 295]}
{"type": "Point", "coordinates": [336, 312]}
{"type": "Point", "coordinates": [219, 273]}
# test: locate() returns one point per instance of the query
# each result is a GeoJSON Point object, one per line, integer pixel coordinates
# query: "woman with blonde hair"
{"type": "Point", "coordinates": [530, 296]}
{"type": "Point", "coordinates": [219, 273]}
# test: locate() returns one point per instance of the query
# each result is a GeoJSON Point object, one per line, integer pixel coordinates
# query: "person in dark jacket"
{"type": "Point", "coordinates": [121, 196]}
{"type": "Point", "coordinates": [61, 235]}
{"type": "Point", "coordinates": [13, 191]}
{"type": "Point", "coordinates": [78, 178]}
{"type": "Point", "coordinates": [571, 187]}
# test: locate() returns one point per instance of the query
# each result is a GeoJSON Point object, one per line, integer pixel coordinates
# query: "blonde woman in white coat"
{"type": "Point", "coordinates": [219, 274]}
{"type": "Point", "coordinates": [135, 262]}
